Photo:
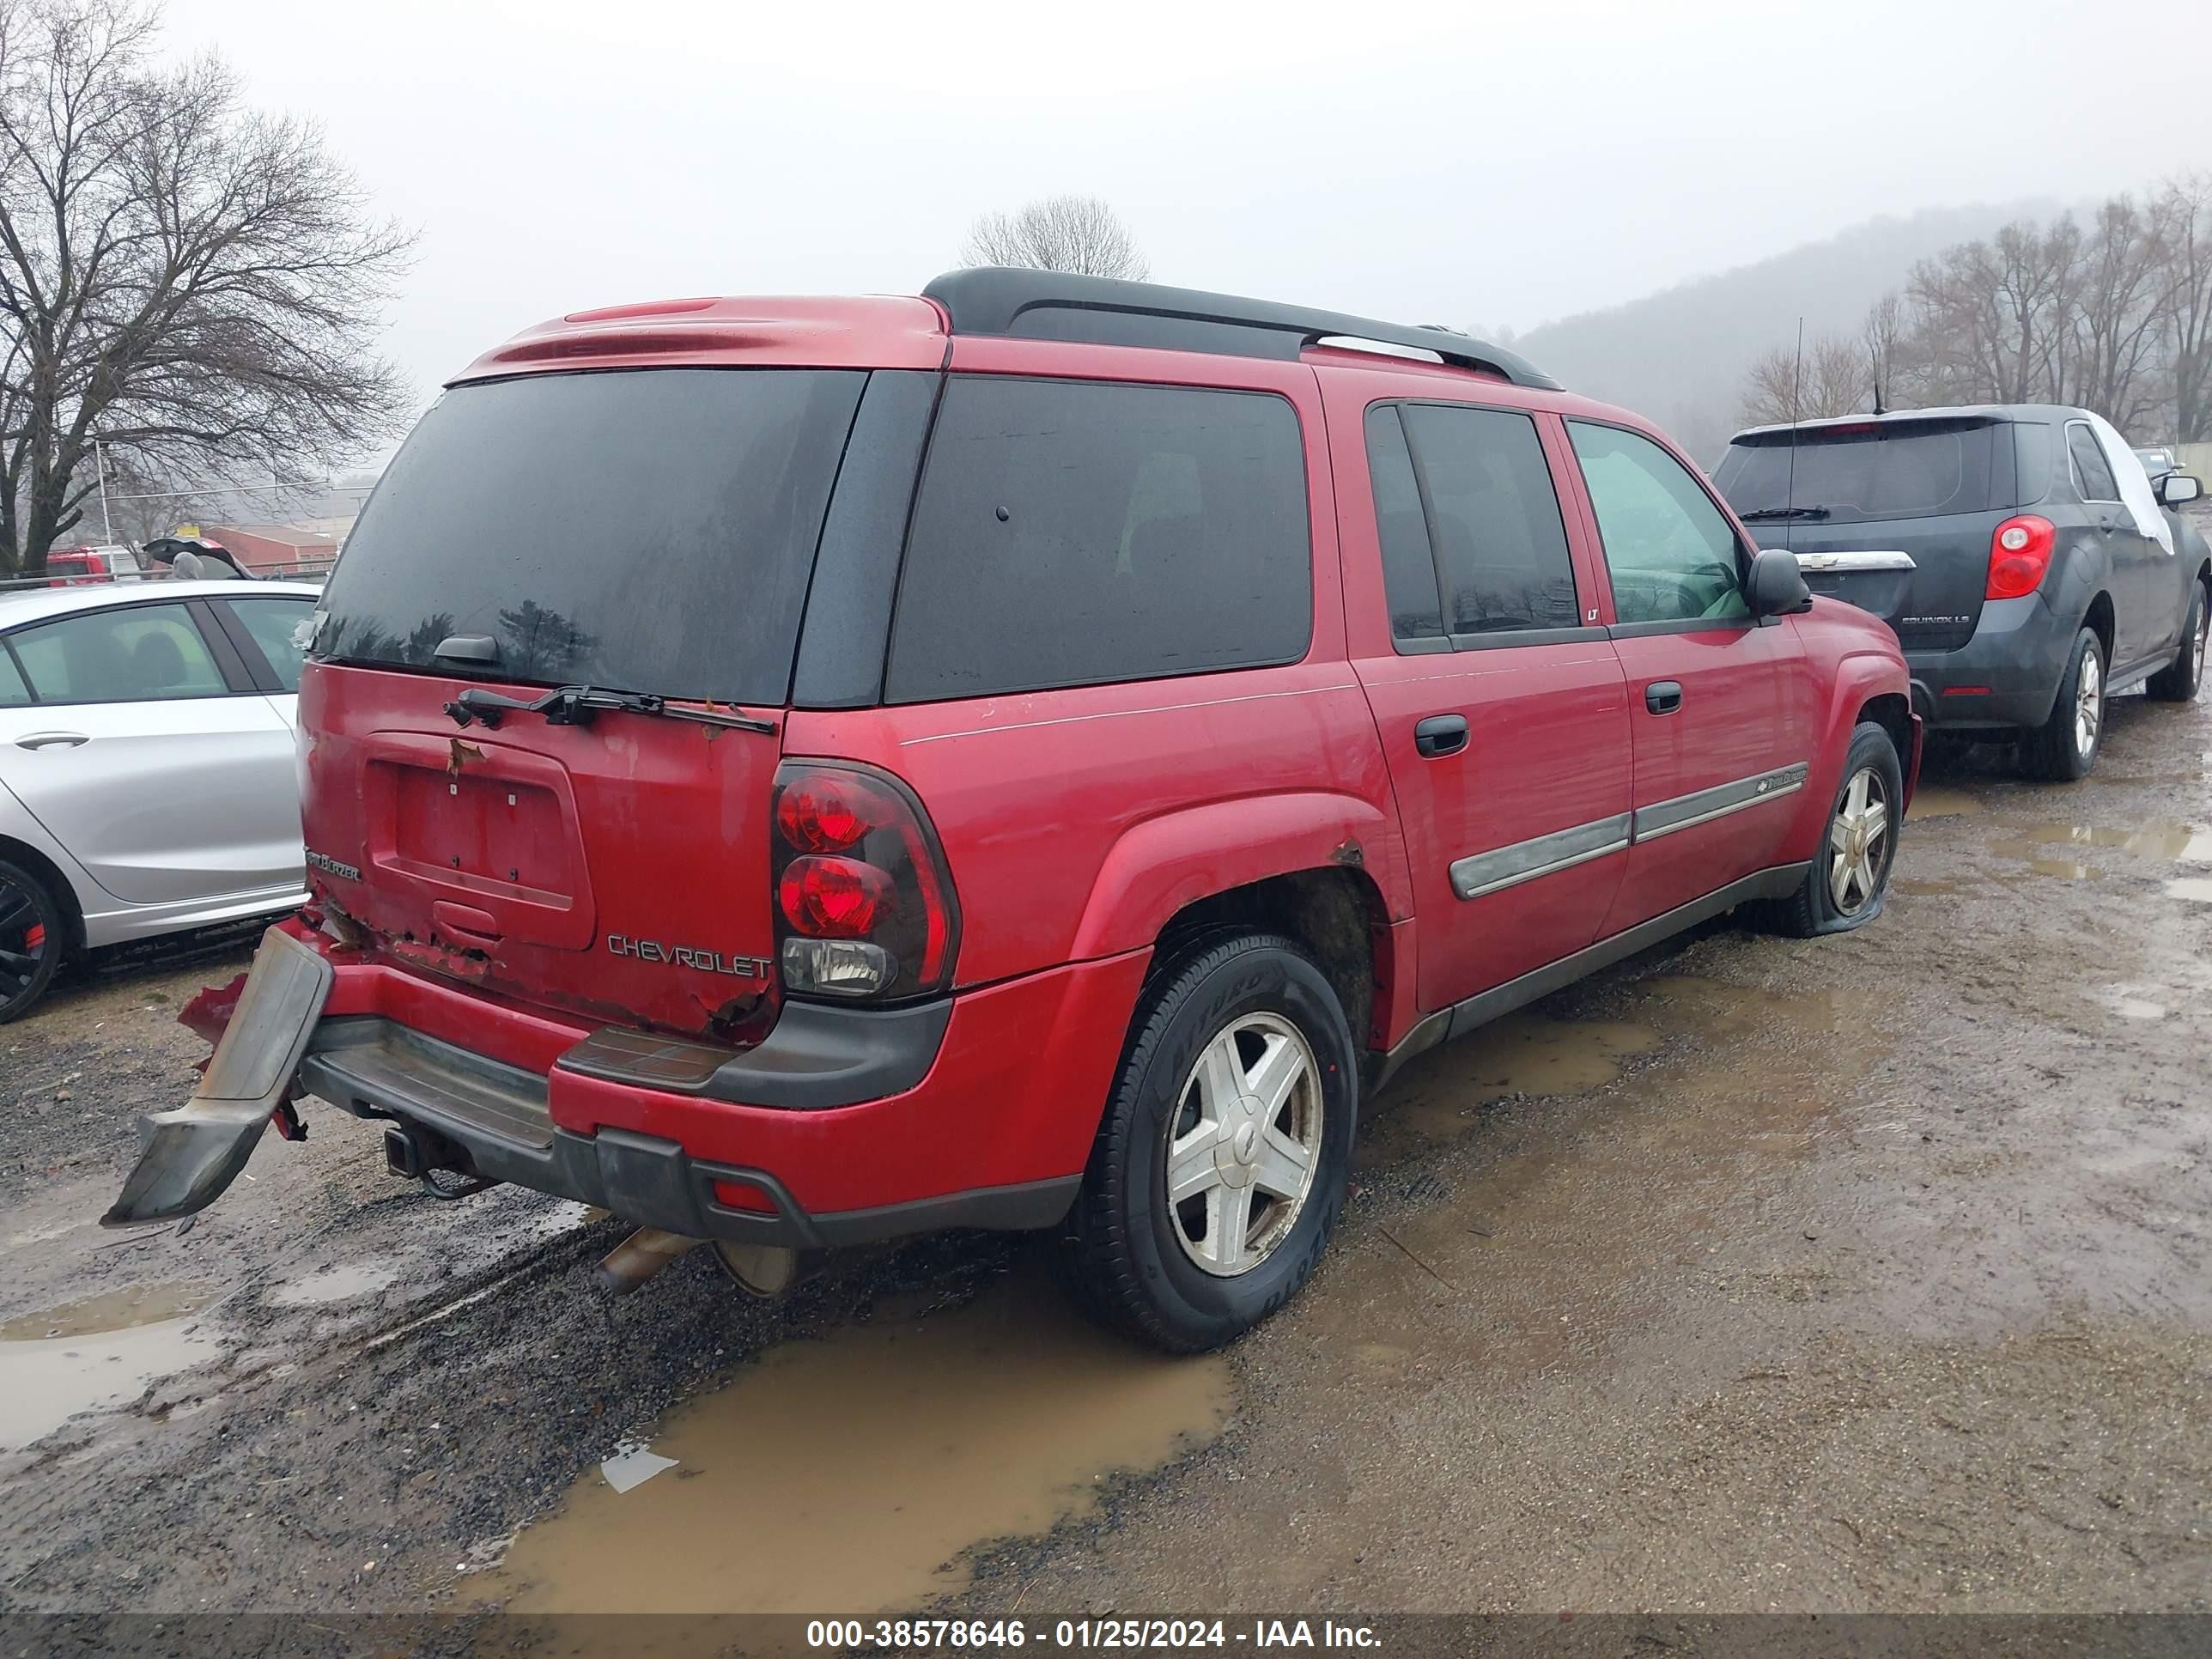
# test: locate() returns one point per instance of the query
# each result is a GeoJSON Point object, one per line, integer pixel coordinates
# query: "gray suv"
{"type": "Point", "coordinates": [2027, 563]}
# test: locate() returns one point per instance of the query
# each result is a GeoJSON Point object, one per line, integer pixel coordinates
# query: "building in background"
{"type": "Point", "coordinates": [282, 549]}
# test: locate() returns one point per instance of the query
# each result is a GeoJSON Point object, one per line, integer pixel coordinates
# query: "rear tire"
{"type": "Point", "coordinates": [1849, 880]}
{"type": "Point", "coordinates": [34, 937]}
{"type": "Point", "coordinates": [1221, 1035]}
{"type": "Point", "coordinates": [2064, 747]}
{"type": "Point", "coordinates": [2178, 680]}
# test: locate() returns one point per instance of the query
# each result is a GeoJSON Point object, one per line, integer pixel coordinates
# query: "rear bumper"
{"type": "Point", "coordinates": [986, 1109]}
{"type": "Point", "coordinates": [500, 1117]}
{"type": "Point", "coordinates": [2006, 676]}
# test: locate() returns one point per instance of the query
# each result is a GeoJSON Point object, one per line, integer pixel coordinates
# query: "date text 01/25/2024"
{"type": "Point", "coordinates": [899, 1635]}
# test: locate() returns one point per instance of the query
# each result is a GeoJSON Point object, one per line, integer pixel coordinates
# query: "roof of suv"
{"type": "Point", "coordinates": [1992, 412]}
{"type": "Point", "coordinates": [889, 332]}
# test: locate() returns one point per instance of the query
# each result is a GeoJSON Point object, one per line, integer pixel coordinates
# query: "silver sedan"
{"type": "Point", "coordinates": [147, 782]}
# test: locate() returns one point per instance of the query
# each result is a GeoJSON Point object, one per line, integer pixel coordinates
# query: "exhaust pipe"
{"type": "Point", "coordinates": [640, 1257]}
{"type": "Point", "coordinates": [767, 1271]}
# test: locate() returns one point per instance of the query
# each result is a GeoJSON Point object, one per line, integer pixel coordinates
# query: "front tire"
{"type": "Point", "coordinates": [34, 934]}
{"type": "Point", "coordinates": [1219, 1167]}
{"type": "Point", "coordinates": [2064, 747]}
{"type": "Point", "coordinates": [1848, 878]}
{"type": "Point", "coordinates": [2178, 680]}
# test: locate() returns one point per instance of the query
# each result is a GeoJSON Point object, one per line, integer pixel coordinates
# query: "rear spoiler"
{"type": "Point", "coordinates": [1868, 426]}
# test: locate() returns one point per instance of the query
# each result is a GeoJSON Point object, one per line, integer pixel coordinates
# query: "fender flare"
{"type": "Point", "coordinates": [1860, 677]}
{"type": "Point", "coordinates": [1162, 864]}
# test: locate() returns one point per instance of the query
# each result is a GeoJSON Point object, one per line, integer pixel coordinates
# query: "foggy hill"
{"type": "Point", "coordinates": [1680, 355]}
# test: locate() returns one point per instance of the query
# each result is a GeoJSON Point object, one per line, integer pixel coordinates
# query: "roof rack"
{"type": "Point", "coordinates": [1051, 305]}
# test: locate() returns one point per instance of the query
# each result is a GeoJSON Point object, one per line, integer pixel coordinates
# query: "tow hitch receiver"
{"type": "Point", "coordinates": [189, 1155]}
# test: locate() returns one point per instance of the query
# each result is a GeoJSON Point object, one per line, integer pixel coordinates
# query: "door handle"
{"type": "Point", "coordinates": [48, 740]}
{"type": "Point", "coordinates": [1662, 697]}
{"type": "Point", "coordinates": [1440, 735]}
{"type": "Point", "coordinates": [467, 922]}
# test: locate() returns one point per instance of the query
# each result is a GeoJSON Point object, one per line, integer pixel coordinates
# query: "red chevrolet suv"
{"type": "Point", "coordinates": [1033, 755]}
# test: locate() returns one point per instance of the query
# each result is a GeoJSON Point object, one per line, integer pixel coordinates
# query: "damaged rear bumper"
{"type": "Point", "coordinates": [496, 1118]}
{"type": "Point", "coordinates": [845, 1126]}
{"type": "Point", "coordinates": [189, 1155]}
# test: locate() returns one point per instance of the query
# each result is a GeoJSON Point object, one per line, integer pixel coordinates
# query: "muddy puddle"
{"type": "Point", "coordinates": [2061, 850]}
{"type": "Point", "coordinates": [2183, 843]}
{"type": "Point", "coordinates": [849, 1473]}
{"type": "Point", "coordinates": [99, 1352]}
{"type": "Point", "coordinates": [2197, 888]}
{"type": "Point", "coordinates": [339, 1281]}
{"type": "Point", "coordinates": [1935, 801]}
{"type": "Point", "coordinates": [112, 1311]}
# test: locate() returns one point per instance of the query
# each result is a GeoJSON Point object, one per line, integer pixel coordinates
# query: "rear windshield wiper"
{"type": "Point", "coordinates": [1757, 513]}
{"type": "Point", "coordinates": [579, 705]}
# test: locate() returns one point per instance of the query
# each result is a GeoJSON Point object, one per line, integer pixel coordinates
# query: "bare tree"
{"type": "Point", "coordinates": [1834, 379]}
{"type": "Point", "coordinates": [2114, 362]}
{"type": "Point", "coordinates": [198, 285]}
{"type": "Point", "coordinates": [2117, 318]}
{"type": "Point", "coordinates": [2182, 214]}
{"type": "Point", "coordinates": [1078, 234]}
{"type": "Point", "coordinates": [1896, 370]}
{"type": "Point", "coordinates": [1994, 315]}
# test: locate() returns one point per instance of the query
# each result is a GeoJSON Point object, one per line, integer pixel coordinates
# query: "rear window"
{"type": "Point", "coordinates": [1073, 532]}
{"type": "Point", "coordinates": [1889, 471]}
{"type": "Point", "coordinates": [643, 530]}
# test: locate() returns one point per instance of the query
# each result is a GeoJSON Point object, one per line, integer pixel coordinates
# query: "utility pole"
{"type": "Point", "coordinates": [106, 529]}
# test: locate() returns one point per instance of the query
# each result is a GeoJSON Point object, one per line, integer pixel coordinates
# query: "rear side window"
{"type": "Point", "coordinates": [1073, 533]}
{"type": "Point", "coordinates": [1501, 546]}
{"type": "Point", "coordinates": [1409, 566]}
{"type": "Point", "coordinates": [144, 653]}
{"type": "Point", "coordinates": [280, 628]}
{"type": "Point", "coordinates": [2093, 473]}
{"type": "Point", "coordinates": [642, 529]}
{"type": "Point", "coordinates": [1894, 470]}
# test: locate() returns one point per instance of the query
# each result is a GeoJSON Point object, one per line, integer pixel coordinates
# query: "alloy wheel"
{"type": "Point", "coordinates": [1858, 842]}
{"type": "Point", "coordinates": [1242, 1145]}
{"type": "Point", "coordinates": [24, 941]}
{"type": "Point", "coordinates": [2088, 706]}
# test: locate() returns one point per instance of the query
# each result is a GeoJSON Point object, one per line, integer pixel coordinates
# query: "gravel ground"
{"type": "Point", "coordinates": [1754, 1275]}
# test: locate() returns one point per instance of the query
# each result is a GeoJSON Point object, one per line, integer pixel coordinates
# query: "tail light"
{"type": "Point", "coordinates": [2019, 553]}
{"type": "Point", "coordinates": [864, 904]}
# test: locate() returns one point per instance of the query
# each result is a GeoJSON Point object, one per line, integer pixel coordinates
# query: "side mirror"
{"type": "Point", "coordinates": [1778, 586]}
{"type": "Point", "coordinates": [2175, 488]}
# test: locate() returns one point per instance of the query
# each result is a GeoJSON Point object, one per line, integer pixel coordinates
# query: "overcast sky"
{"type": "Point", "coordinates": [1472, 164]}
